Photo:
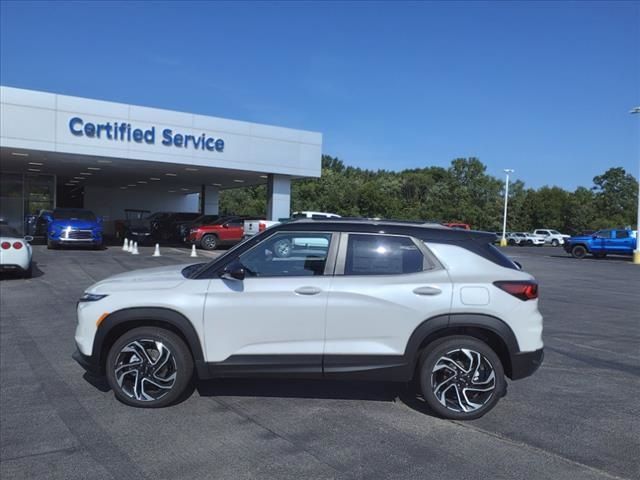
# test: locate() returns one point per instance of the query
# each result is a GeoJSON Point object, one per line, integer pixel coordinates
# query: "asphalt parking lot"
{"type": "Point", "coordinates": [577, 417]}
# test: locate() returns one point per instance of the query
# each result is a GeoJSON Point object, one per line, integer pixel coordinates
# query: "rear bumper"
{"type": "Point", "coordinates": [526, 363]}
{"type": "Point", "coordinates": [89, 363]}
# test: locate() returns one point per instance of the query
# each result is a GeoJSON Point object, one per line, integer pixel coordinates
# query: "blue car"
{"type": "Point", "coordinates": [73, 226]}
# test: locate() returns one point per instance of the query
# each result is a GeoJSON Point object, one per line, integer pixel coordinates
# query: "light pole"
{"type": "Point", "coordinates": [503, 240]}
{"type": "Point", "coordinates": [636, 252]}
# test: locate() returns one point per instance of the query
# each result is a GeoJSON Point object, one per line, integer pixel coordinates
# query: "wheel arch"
{"type": "Point", "coordinates": [118, 323]}
{"type": "Point", "coordinates": [491, 330]}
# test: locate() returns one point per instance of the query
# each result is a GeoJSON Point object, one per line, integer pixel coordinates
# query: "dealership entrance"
{"type": "Point", "coordinates": [61, 151]}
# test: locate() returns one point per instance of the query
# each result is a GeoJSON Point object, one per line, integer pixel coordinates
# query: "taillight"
{"type": "Point", "coordinates": [17, 245]}
{"type": "Point", "coordinates": [523, 290]}
{"type": "Point", "coordinates": [262, 226]}
{"type": "Point", "coordinates": [5, 245]}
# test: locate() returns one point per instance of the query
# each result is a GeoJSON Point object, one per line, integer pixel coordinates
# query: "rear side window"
{"type": "Point", "coordinates": [622, 234]}
{"type": "Point", "coordinates": [382, 255]}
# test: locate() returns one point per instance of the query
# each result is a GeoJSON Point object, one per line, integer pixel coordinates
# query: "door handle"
{"type": "Point", "coordinates": [307, 290]}
{"type": "Point", "coordinates": [427, 291]}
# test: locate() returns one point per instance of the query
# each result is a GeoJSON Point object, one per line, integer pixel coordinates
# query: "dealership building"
{"type": "Point", "coordinates": [62, 151]}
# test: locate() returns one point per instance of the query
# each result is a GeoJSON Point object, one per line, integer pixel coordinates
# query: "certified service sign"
{"type": "Point", "coordinates": [125, 132]}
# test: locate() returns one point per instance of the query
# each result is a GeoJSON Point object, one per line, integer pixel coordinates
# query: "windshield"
{"type": "Point", "coordinates": [7, 231]}
{"type": "Point", "coordinates": [74, 215]}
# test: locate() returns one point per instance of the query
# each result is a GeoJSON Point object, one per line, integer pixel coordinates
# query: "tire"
{"type": "Point", "coordinates": [209, 242]}
{"type": "Point", "coordinates": [282, 248]}
{"type": "Point", "coordinates": [28, 273]}
{"type": "Point", "coordinates": [442, 378]}
{"type": "Point", "coordinates": [529, 243]}
{"type": "Point", "coordinates": [170, 379]}
{"type": "Point", "coordinates": [578, 251]}
{"type": "Point", "coordinates": [555, 242]}
{"type": "Point", "coordinates": [511, 242]}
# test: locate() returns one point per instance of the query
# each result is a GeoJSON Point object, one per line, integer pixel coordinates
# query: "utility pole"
{"type": "Point", "coordinates": [636, 252]}
{"type": "Point", "coordinates": [503, 240]}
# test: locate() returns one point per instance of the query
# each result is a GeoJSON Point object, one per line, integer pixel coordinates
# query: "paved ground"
{"type": "Point", "coordinates": [577, 418]}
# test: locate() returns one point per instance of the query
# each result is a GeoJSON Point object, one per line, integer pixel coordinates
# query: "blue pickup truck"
{"type": "Point", "coordinates": [618, 241]}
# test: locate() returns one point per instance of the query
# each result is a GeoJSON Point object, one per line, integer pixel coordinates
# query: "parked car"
{"type": "Point", "coordinates": [620, 241]}
{"type": "Point", "coordinates": [15, 252]}
{"type": "Point", "coordinates": [73, 226]}
{"type": "Point", "coordinates": [224, 231]}
{"type": "Point", "coordinates": [183, 228]}
{"type": "Point", "coordinates": [523, 239]}
{"type": "Point", "coordinates": [380, 301]}
{"type": "Point", "coordinates": [255, 226]}
{"type": "Point", "coordinates": [164, 227]}
{"type": "Point", "coordinates": [136, 226]}
{"type": "Point", "coordinates": [551, 237]}
{"type": "Point", "coordinates": [461, 226]}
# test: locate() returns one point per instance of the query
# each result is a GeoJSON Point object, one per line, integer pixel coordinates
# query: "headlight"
{"type": "Point", "coordinates": [91, 297]}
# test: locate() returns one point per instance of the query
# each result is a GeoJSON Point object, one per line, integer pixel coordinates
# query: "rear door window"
{"type": "Point", "coordinates": [382, 255]}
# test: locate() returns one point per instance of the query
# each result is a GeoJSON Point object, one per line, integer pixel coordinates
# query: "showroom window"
{"type": "Point", "coordinates": [288, 254]}
{"type": "Point", "coordinates": [382, 255]}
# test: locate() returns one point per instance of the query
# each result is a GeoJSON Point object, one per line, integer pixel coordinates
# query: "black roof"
{"type": "Point", "coordinates": [423, 231]}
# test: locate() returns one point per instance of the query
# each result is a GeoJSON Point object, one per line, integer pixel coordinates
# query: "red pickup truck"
{"type": "Point", "coordinates": [224, 231]}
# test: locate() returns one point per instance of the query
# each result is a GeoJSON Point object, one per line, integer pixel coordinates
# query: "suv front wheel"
{"type": "Point", "coordinates": [149, 367]}
{"type": "Point", "coordinates": [461, 378]}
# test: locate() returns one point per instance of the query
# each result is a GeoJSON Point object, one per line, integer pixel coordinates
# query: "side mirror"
{"type": "Point", "coordinates": [226, 225]}
{"type": "Point", "coordinates": [233, 271]}
{"type": "Point", "coordinates": [28, 238]}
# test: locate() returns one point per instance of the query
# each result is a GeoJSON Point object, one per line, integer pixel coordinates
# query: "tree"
{"type": "Point", "coordinates": [464, 192]}
{"type": "Point", "coordinates": [616, 198]}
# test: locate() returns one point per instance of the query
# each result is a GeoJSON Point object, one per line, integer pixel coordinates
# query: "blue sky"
{"type": "Point", "coordinates": [544, 87]}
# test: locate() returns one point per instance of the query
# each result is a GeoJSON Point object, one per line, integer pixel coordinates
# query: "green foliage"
{"type": "Point", "coordinates": [464, 192]}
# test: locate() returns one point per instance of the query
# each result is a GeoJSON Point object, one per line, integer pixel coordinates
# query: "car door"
{"type": "Point", "coordinates": [599, 240]}
{"type": "Point", "coordinates": [383, 288]}
{"type": "Point", "coordinates": [275, 316]}
{"type": "Point", "coordinates": [620, 242]}
{"type": "Point", "coordinates": [234, 230]}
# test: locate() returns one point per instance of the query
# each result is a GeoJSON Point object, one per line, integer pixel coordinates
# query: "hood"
{"type": "Point", "coordinates": [74, 223]}
{"type": "Point", "coordinates": [157, 278]}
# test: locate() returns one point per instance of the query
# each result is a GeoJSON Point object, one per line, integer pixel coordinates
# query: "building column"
{"type": "Point", "coordinates": [209, 200]}
{"type": "Point", "coordinates": [278, 197]}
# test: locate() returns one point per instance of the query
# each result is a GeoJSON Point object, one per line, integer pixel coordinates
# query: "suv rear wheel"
{"type": "Point", "coordinates": [149, 367]}
{"type": "Point", "coordinates": [461, 377]}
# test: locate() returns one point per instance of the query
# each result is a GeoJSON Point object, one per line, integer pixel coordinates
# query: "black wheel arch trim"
{"type": "Point", "coordinates": [144, 316]}
{"type": "Point", "coordinates": [436, 326]}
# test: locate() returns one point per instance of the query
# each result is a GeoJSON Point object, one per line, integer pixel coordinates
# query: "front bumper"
{"type": "Point", "coordinates": [525, 364]}
{"type": "Point", "coordinates": [89, 363]}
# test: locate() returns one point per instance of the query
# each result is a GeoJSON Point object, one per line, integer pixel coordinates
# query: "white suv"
{"type": "Point", "coordinates": [353, 299]}
{"type": "Point", "coordinates": [552, 237]}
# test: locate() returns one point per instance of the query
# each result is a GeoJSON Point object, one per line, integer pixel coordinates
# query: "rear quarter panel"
{"type": "Point", "coordinates": [474, 292]}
